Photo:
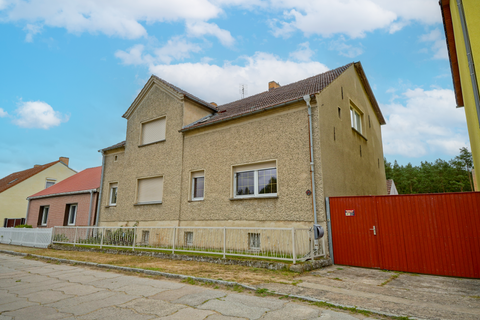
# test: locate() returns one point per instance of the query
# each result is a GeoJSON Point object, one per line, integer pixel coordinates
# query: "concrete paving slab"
{"type": "Point", "coordinates": [189, 313]}
{"type": "Point", "coordinates": [153, 307]}
{"type": "Point", "coordinates": [37, 312]}
{"type": "Point", "coordinates": [19, 304]}
{"type": "Point", "coordinates": [6, 297]}
{"type": "Point", "coordinates": [234, 309]}
{"type": "Point", "coordinates": [47, 296]}
{"type": "Point", "coordinates": [113, 283]}
{"type": "Point", "coordinates": [261, 302]}
{"type": "Point", "coordinates": [198, 298]}
{"type": "Point", "coordinates": [77, 289]}
{"type": "Point", "coordinates": [222, 317]}
{"type": "Point", "coordinates": [171, 295]}
{"type": "Point", "coordinates": [117, 314]}
{"type": "Point", "coordinates": [140, 290]}
{"type": "Point", "coordinates": [80, 278]}
{"type": "Point", "coordinates": [96, 296]}
{"type": "Point", "coordinates": [292, 311]}
{"type": "Point", "coordinates": [333, 315]}
{"type": "Point", "coordinates": [2, 317]}
{"type": "Point", "coordinates": [87, 307]}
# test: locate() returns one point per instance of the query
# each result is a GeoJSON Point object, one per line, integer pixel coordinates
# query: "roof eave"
{"type": "Point", "coordinates": [62, 194]}
{"type": "Point", "coordinates": [368, 89]}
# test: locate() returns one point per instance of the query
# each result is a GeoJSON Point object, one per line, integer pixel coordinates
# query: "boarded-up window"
{"type": "Point", "coordinates": [150, 190]}
{"type": "Point", "coordinates": [153, 131]}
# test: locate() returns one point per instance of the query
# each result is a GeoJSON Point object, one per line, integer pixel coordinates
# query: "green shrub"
{"type": "Point", "coordinates": [23, 226]}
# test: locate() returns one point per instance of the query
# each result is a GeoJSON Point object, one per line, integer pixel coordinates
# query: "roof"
{"type": "Point", "coordinates": [115, 146]}
{"type": "Point", "coordinates": [85, 180]}
{"type": "Point", "coordinates": [389, 185]}
{"type": "Point", "coordinates": [452, 52]}
{"type": "Point", "coordinates": [283, 95]}
{"type": "Point", "coordinates": [17, 177]}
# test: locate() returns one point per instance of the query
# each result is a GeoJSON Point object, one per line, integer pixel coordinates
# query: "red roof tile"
{"type": "Point", "coordinates": [85, 180]}
{"type": "Point", "coordinates": [17, 177]}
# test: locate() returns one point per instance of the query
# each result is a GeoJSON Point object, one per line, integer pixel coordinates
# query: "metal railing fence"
{"type": "Point", "coordinates": [26, 237]}
{"type": "Point", "coordinates": [289, 244]}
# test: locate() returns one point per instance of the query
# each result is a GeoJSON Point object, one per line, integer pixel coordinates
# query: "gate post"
{"type": "Point", "coordinates": [224, 242]}
{"type": "Point", "coordinates": [329, 227]}
{"type": "Point", "coordinates": [293, 246]}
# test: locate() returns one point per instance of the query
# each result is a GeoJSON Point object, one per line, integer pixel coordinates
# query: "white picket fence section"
{"type": "Point", "coordinates": [289, 244]}
{"type": "Point", "coordinates": [40, 238]}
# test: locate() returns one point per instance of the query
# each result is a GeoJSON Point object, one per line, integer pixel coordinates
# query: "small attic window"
{"type": "Point", "coordinates": [13, 181]}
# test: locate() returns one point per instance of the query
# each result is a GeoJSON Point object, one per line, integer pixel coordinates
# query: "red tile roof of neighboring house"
{"type": "Point", "coordinates": [17, 177]}
{"type": "Point", "coordinates": [85, 180]}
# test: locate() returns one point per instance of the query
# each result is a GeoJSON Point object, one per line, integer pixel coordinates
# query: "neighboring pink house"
{"type": "Point", "coordinates": [71, 202]}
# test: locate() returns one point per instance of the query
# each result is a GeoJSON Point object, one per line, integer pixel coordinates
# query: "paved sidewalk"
{"type": "Point", "coordinates": [405, 294]}
{"type": "Point", "coordinates": [31, 289]}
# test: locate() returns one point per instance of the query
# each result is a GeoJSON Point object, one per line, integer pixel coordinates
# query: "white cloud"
{"type": "Point", "coordinates": [133, 56]}
{"type": "Point", "coordinates": [31, 30]}
{"type": "Point", "coordinates": [352, 17]}
{"type": "Point", "coordinates": [344, 49]}
{"type": "Point", "coordinates": [3, 113]}
{"type": "Point", "coordinates": [201, 28]}
{"type": "Point", "coordinates": [303, 53]}
{"type": "Point", "coordinates": [426, 122]}
{"type": "Point", "coordinates": [38, 114]}
{"type": "Point", "coordinates": [220, 83]}
{"type": "Point", "coordinates": [438, 43]}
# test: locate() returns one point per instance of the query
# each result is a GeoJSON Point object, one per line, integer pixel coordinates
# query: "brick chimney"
{"type": "Point", "coordinates": [64, 160]}
{"type": "Point", "coordinates": [37, 165]}
{"type": "Point", "coordinates": [272, 85]}
{"type": "Point", "coordinates": [213, 103]}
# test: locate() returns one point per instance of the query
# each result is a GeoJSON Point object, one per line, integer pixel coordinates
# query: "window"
{"type": "Point", "coordinates": [257, 180]}
{"type": "Point", "coordinates": [198, 185]}
{"type": "Point", "coordinates": [153, 131]}
{"type": "Point", "coordinates": [113, 194]}
{"type": "Point", "coordinates": [145, 236]}
{"type": "Point", "coordinates": [49, 183]}
{"type": "Point", "coordinates": [254, 241]}
{"type": "Point", "coordinates": [356, 118]}
{"type": "Point", "coordinates": [188, 238]}
{"type": "Point", "coordinates": [115, 158]}
{"type": "Point", "coordinates": [72, 214]}
{"type": "Point", "coordinates": [150, 190]}
{"type": "Point", "coordinates": [43, 215]}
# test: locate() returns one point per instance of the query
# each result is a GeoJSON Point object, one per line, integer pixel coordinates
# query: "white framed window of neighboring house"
{"type": "Point", "coordinates": [255, 180]}
{"type": "Point", "coordinates": [198, 185]}
{"type": "Point", "coordinates": [113, 194]}
{"type": "Point", "coordinates": [72, 214]}
{"type": "Point", "coordinates": [150, 190]}
{"type": "Point", "coordinates": [356, 119]}
{"type": "Point", "coordinates": [44, 215]}
{"type": "Point", "coordinates": [153, 131]}
{"type": "Point", "coordinates": [49, 183]}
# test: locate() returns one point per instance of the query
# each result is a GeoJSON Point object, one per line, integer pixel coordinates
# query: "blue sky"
{"type": "Point", "coordinates": [70, 69]}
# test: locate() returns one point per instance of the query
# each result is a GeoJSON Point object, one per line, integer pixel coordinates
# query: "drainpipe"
{"type": "Point", "coordinates": [100, 192]}
{"type": "Point", "coordinates": [90, 209]}
{"type": "Point", "coordinates": [28, 209]}
{"type": "Point", "coordinates": [312, 168]}
{"type": "Point", "coordinates": [471, 64]}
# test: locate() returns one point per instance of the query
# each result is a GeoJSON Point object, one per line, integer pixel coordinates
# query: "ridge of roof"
{"type": "Point", "coordinates": [278, 96]}
{"type": "Point", "coordinates": [85, 180]}
{"type": "Point", "coordinates": [115, 146]}
{"type": "Point", "coordinates": [20, 176]}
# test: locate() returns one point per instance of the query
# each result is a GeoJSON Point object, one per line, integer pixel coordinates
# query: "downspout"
{"type": "Point", "coordinates": [471, 65]}
{"type": "Point", "coordinates": [312, 168]}
{"type": "Point", "coordinates": [28, 209]}
{"type": "Point", "coordinates": [100, 192]}
{"type": "Point", "coordinates": [90, 209]}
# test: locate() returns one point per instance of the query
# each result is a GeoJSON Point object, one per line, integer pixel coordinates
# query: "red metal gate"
{"type": "Point", "coordinates": [427, 233]}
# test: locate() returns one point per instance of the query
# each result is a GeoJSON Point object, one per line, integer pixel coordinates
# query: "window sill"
{"type": "Point", "coordinates": [150, 143]}
{"type": "Point", "coordinates": [147, 203]}
{"type": "Point", "coordinates": [195, 200]}
{"type": "Point", "coordinates": [256, 198]}
{"type": "Point", "coordinates": [360, 134]}
{"type": "Point", "coordinates": [111, 206]}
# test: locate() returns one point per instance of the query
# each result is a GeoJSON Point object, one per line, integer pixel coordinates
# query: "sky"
{"type": "Point", "coordinates": [70, 69]}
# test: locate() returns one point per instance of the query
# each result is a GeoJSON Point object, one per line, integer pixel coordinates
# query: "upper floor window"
{"type": "Point", "coordinates": [256, 180]}
{"type": "Point", "coordinates": [153, 131]}
{"type": "Point", "coordinates": [150, 190]}
{"type": "Point", "coordinates": [113, 194]}
{"type": "Point", "coordinates": [356, 119]}
{"type": "Point", "coordinates": [198, 185]}
{"type": "Point", "coordinates": [49, 183]}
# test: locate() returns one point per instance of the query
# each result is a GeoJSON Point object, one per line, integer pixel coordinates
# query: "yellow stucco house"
{"type": "Point", "coordinates": [16, 187]}
{"type": "Point", "coordinates": [268, 160]}
{"type": "Point", "coordinates": [461, 20]}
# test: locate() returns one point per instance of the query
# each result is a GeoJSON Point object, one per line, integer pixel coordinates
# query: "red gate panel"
{"type": "Point", "coordinates": [427, 233]}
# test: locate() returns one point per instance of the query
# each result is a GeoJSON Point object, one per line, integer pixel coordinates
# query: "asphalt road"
{"type": "Point", "coordinates": [31, 289]}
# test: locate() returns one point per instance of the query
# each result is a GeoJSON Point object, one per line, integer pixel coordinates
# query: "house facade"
{"type": "Point", "coordinates": [461, 20]}
{"type": "Point", "coordinates": [16, 187]}
{"type": "Point", "coordinates": [186, 162]}
{"type": "Point", "coordinates": [71, 202]}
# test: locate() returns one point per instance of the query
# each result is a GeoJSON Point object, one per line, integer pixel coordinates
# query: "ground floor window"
{"type": "Point", "coordinates": [255, 180]}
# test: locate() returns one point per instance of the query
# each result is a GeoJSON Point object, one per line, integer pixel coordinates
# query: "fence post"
{"type": "Point", "coordinates": [75, 239]}
{"type": "Point", "coordinates": [101, 241]}
{"type": "Point", "coordinates": [224, 242]}
{"type": "Point", "coordinates": [174, 238]}
{"type": "Point", "coordinates": [312, 245]}
{"type": "Point", "coordinates": [53, 235]}
{"type": "Point", "coordinates": [293, 246]}
{"type": "Point", "coordinates": [134, 234]}
{"type": "Point", "coordinates": [35, 238]}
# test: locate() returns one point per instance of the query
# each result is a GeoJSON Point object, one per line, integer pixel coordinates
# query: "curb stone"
{"type": "Point", "coordinates": [205, 280]}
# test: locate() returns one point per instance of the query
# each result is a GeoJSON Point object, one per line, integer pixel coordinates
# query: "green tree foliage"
{"type": "Point", "coordinates": [433, 177]}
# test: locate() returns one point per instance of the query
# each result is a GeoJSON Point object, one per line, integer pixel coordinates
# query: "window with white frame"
{"type": "Point", "coordinates": [49, 183]}
{"type": "Point", "coordinates": [198, 185]}
{"type": "Point", "coordinates": [43, 215]}
{"type": "Point", "coordinates": [113, 194]}
{"type": "Point", "coordinates": [356, 118]}
{"type": "Point", "coordinates": [150, 190]}
{"type": "Point", "coordinates": [256, 180]}
{"type": "Point", "coordinates": [72, 214]}
{"type": "Point", "coordinates": [153, 131]}
{"type": "Point", "coordinates": [254, 241]}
